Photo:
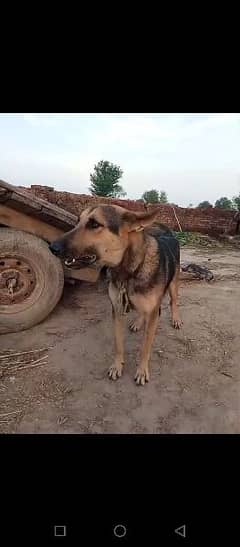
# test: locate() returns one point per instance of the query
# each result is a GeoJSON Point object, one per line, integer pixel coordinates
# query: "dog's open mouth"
{"type": "Point", "coordinates": [80, 261]}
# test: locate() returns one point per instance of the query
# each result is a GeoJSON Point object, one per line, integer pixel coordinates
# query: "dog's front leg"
{"type": "Point", "coordinates": [115, 371]}
{"type": "Point", "coordinates": [142, 373]}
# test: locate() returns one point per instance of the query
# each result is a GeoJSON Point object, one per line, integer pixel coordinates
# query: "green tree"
{"type": "Point", "coordinates": [163, 197]}
{"type": "Point", "coordinates": [224, 203]}
{"type": "Point", "coordinates": [105, 180]}
{"type": "Point", "coordinates": [204, 204]}
{"type": "Point", "coordinates": [151, 196]}
{"type": "Point", "coordinates": [236, 202]}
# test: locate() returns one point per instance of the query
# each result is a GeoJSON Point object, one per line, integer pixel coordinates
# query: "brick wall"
{"type": "Point", "coordinates": [207, 221]}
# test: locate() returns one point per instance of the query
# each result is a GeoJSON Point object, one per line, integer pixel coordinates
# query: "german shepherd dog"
{"type": "Point", "coordinates": [143, 261]}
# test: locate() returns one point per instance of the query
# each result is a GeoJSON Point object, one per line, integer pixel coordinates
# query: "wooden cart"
{"type": "Point", "coordinates": [31, 277]}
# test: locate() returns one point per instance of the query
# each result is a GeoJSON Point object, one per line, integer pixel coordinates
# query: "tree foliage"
{"type": "Point", "coordinates": [105, 180]}
{"type": "Point", "coordinates": [224, 203]}
{"type": "Point", "coordinates": [205, 204]}
{"type": "Point", "coordinates": [236, 202]}
{"type": "Point", "coordinates": [163, 197]}
{"type": "Point", "coordinates": [153, 196]}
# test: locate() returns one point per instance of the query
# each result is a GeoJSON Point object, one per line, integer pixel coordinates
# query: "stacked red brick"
{"type": "Point", "coordinates": [208, 221]}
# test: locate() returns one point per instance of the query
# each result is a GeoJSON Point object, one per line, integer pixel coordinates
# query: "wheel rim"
{"type": "Point", "coordinates": [17, 280]}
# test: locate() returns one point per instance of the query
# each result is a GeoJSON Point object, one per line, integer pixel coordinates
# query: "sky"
{"type": "Point", "coordinates": [193, 157]}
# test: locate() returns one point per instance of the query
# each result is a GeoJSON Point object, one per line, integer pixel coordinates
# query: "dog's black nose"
{"type": "Point", "coordinates": [57, 247]}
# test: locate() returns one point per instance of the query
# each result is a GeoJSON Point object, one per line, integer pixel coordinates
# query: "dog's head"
{"type": "Point", "coordinates": [101, 237]}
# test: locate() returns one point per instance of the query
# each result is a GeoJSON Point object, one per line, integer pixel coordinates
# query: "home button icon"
{"type": "Point", "coordinates": [120, 530]}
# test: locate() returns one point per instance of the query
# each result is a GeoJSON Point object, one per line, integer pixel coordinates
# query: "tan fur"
{"type": "Point", "coordinates": [142, 373]}
{"type": "Point", "coordinates": [123, 241]}
{"type": "Point", "coordinates": [173, 291]}
{"type": "Point", "coordinates": [109, 246]}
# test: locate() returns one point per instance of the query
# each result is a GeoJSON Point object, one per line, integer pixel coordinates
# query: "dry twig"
{"type": "Point", "coordinates": [24, 352]}
{"type": "Point", "coordinates": [8, 413]}
{"type": "Point", "coordinates": [227, 374]}
{"type": "Point", "coordinates": [38, 363]}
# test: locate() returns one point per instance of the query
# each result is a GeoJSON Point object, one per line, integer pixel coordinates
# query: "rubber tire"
{"type": "Point", "coordinates": [49, 280]}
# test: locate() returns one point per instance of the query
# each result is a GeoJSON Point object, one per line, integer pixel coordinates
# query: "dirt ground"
{"type": "Point", "coordinates": [194, 384]}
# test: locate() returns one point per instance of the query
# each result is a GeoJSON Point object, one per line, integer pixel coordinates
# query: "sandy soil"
{"type": "Point", "coordinates": [194, 385]}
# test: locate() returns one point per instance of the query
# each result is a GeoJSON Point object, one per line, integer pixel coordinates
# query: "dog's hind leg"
{"type": "Point", "coordinates": [142, 372]}
{"type": "Point", "coordinates": [136, 324]}
{"type": "Point", "coordinates": [115, 371]}
{"type": "Point", "coordinates": [173, 292]}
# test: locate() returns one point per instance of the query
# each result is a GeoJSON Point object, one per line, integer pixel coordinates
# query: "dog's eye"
{"type": "Point", "coordinates": [92, 224]}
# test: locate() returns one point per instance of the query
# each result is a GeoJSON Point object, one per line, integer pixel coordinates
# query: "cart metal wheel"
{"type": "Point", "coordinates": [31, 280]}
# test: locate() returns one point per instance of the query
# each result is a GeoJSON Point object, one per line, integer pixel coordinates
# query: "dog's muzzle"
{"type": "Point", "coordinates": [57, 247]}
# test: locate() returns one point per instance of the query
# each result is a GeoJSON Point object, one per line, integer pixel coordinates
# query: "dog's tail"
{"type": "Point", "coordinates": [169, 251]}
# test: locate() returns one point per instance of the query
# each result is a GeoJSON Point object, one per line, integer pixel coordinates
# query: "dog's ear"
{"type": "Point", "coordinates": [138, 221]}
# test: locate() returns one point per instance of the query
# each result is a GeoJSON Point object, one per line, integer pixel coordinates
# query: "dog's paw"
{"type": "Point", "coordinates": [177, 323]}
{"type": "Point", "coordinates": [115, 371]}
{"type": "Point", "coordinates": [141, 376]}
{"type": "Point", "coordinates": [135, 325]}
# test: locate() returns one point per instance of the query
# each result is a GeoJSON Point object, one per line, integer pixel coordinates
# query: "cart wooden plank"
{"type": "Point", "coordinates": [25, 202]}
{"type": "Point", "coordinates": [22, 221]}
{"type": "Point", "coordinates": [4, 194]}
{"type": "Point", "coordinates": [23, 211]}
